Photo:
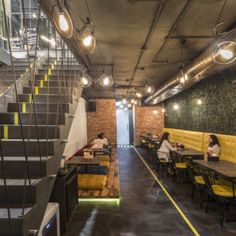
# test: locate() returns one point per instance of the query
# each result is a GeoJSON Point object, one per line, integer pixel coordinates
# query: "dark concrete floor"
{"type": "Point", "coordinates": [144, 209]}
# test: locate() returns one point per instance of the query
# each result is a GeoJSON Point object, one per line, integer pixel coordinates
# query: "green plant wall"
{"type": "Point", "coordinates": [216, 114]}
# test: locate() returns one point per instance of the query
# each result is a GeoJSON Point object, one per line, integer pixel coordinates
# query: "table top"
{"type": "Point", "coordinates": [188, 152]}
{"type": "Point", "coordinates": [225, 168]}
{"type": "Point", "coordinates": [80, 160]}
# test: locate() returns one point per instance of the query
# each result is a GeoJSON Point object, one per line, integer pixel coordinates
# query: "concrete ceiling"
{"type": "Point", "coordinates": [141, 41]}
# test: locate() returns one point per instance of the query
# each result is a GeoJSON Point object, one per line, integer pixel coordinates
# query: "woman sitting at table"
{"type": "Point", "coordinates": [213, 147]}
{"type": "Point", "coordinates": [165, 147]}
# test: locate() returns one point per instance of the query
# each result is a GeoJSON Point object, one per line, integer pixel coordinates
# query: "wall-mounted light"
{"type": "Point", "coordinates": [149, 89]}
{"type": "Point", "coordinates": [106, 81]}
{"type": "Point", "coordinates": [176, 106]}
{"type": "Point", "coordinates": [155, 112]}
{"type": "Point", "coordinates": [199, 102]}
{"type": "Point", "coordinates": [139, 94]}
{"type": "Point", "coordinates": [85, 80]}
{"type": "Point", "coordinates": [62, 21]}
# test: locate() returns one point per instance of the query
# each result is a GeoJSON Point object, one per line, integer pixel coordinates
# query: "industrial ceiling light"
{"type": "Point", "coordinates": [149, 89]}
{"type": "Point", "coordinates": [135, 102]}
{"type": "Point", "coordinates": [139, 94]}
{"type": "Point", "coordinates": [129, 105]}
{"type": "Point", "coordinates": [132, 100]}
{"type": "Point", "coordinates": [85, 80]}
{"type": "Point", "coordinates": [106, 81]}
{"type": "Point", "coordinates": [62, 20]}
{"type": "Point", "coordinates": [125, 109]}
{"type": "Point", "coordinates": [224, 52]}
{"type": "Point", "coordinates": [87, 36]}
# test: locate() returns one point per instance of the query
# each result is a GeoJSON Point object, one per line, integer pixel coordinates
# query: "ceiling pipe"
{"type": "Point", "coordinates": [202, 67]}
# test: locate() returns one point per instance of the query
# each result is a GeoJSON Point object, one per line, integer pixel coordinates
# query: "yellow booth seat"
{"type": "Point", "coordinates": [199, 141]}
{"type": "Point", "coordinates": [91, 182]}
{"type": "Point", "coordinates": [105, 163]}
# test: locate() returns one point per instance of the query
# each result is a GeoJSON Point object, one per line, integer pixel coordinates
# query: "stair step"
{"type": "Point", "coordinates": [40, 107]}
{"type": "Point", "coordinates": [51, 90]}
{"type": "Point", "coordinates": [54, 83]}
{"type": "Point", "coordinates": [14, 147]}
{"type": "Point", "coordinates": [16, 213]}
{"type": "Point", "coordinates": [54, 77]}
{"type": "Point", "coordinates": [42, 118]}
{"type": "Point", "coordinates": [46, 98]}
{"type": "Point", "coordinates": [15, 189]}
{"type": "Point", "coordinates": [43, 132]}
{"type": "Point", "coordinates": [15, 166]}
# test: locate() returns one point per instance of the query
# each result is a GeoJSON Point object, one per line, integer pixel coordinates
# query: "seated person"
{"type": "Point", "coordinates": [213, 147]}
{"type": "Point", "coordinates": [165, 147]}
{"type": "Point", "coordinates": [102, 143]}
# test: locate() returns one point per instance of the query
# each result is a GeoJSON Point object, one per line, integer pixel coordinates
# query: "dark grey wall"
{"type": "Point", "coordinates": [216, 114]}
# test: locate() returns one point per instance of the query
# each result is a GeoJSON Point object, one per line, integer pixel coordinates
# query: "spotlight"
{"type": "Point", "coordinates": [85, 81]}
{"type": "Point", "coordinates": [34, 15]}
{"type": "Point", "coordinates": [163, 110]}
{"type": "Point", "coordinates": [125, 109]}
{"type": "Point", "coordinates": [149, 89]}
{"type": "Point", "coordinates": [106, 81]}
{"type": "Point", "coordinates": [224, 52]}
{"type": "Point", "coordinates": [176, 107]}
{"type": "Point", "coordinates": [62, 21]}
{"type": "Point", "coordinates": [199, 102]}
{"type": "Point", "coordinates": [129, 105]}
{"type": "Point", "coordinates": [139, 94]}
{"type": "Point", "coordinates": [121, 106]}
{"type": "Point", "coordinates": [135, 102]}
{"type": "Point", "coordinates": [132, 100]}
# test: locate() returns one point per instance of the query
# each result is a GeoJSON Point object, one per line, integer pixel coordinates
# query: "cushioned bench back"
{"type": "Point", "coordinates": [199, 141]}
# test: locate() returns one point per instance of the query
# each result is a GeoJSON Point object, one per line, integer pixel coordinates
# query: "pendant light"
{"type": "Point", "coordinates": [85, 80]}
{"type": "Point", "coordinates": [106, 81]}
{"type": "Point", "coordinates": [62, 20]}
{"type": "Point", "coordinates": [149, 89]}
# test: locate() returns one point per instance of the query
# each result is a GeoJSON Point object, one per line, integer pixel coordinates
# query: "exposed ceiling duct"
{"type": "Point", "coordinates": [201, 68]}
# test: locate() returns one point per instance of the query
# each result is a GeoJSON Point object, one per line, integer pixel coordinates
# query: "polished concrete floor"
{"type": "Point", "coordinates": [144, 209]}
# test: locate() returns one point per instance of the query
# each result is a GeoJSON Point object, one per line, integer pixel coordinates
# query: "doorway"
{"type": "Point", "coordinates": [124, 126]}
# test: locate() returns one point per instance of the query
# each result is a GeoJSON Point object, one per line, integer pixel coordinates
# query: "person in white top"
{"type": "Point", "coordinates": [165, 147]}
{"type": "Point", "coordinates": [213, 147]}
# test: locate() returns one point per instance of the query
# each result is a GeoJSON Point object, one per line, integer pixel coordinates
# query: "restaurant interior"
{"type": "Point", "coordinates": [117, 118]}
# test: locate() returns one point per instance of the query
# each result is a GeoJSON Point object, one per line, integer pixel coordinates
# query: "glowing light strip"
{"type": "Point", "coordinates": [111, 200]}
{"type": "Point", "coordinates": [168, 195]}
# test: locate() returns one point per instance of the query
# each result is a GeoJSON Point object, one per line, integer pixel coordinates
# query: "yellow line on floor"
{"type": "Point", "coordinates": [168, 195]}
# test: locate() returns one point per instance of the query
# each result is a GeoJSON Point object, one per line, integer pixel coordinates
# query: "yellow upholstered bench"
{"type": "Point", "coordinates": [91, 182]}
{"type": "Point", "coordinates": [105, 163]}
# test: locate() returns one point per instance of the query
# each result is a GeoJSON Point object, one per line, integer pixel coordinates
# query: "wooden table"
{"type": "Point", "coordinates": [189, 153]}
{"type": "Point", "coordinates": [80, 160]}
{"type": "Point", "coordinates": [224, 168]}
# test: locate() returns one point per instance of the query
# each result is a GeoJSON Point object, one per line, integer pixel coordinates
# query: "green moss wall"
{"type": "Point", "coordinates": [217, 114]}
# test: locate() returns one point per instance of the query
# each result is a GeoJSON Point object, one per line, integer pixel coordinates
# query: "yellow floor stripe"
{"type": "Point", "coordinates": [170, 198]}
{"type": "Point", "coordinates": [45, 77]}
{"type": "Point", "coordinates": [49, 71]}
{"type": "Point", "coordinates": [16, 118]}
{"type": "Point", "coordinates": [5, 132]}
{"type": "Point", "coordinates": [52, 66]}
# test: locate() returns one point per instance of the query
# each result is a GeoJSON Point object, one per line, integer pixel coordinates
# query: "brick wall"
{"type": "Point", "coordinates": [103, 120]}
{"type": "Point", "coordinates": [148, 119]}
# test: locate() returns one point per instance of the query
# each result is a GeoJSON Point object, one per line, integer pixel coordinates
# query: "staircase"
{"type": "Point", "coordinates": [29, 162]}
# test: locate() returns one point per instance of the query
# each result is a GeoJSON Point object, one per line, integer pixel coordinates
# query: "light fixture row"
{"type": "Point", "coordinates": [64, 25]}
{"type": "Point", "coordinates": [106, 81]}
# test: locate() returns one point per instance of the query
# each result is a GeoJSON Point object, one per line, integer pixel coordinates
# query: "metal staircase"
{"type": "Point", "coordinates": [33, 133]}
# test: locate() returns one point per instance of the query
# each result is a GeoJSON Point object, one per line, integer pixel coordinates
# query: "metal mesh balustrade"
{"type": "Point", "coordinates": [66, 77]}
